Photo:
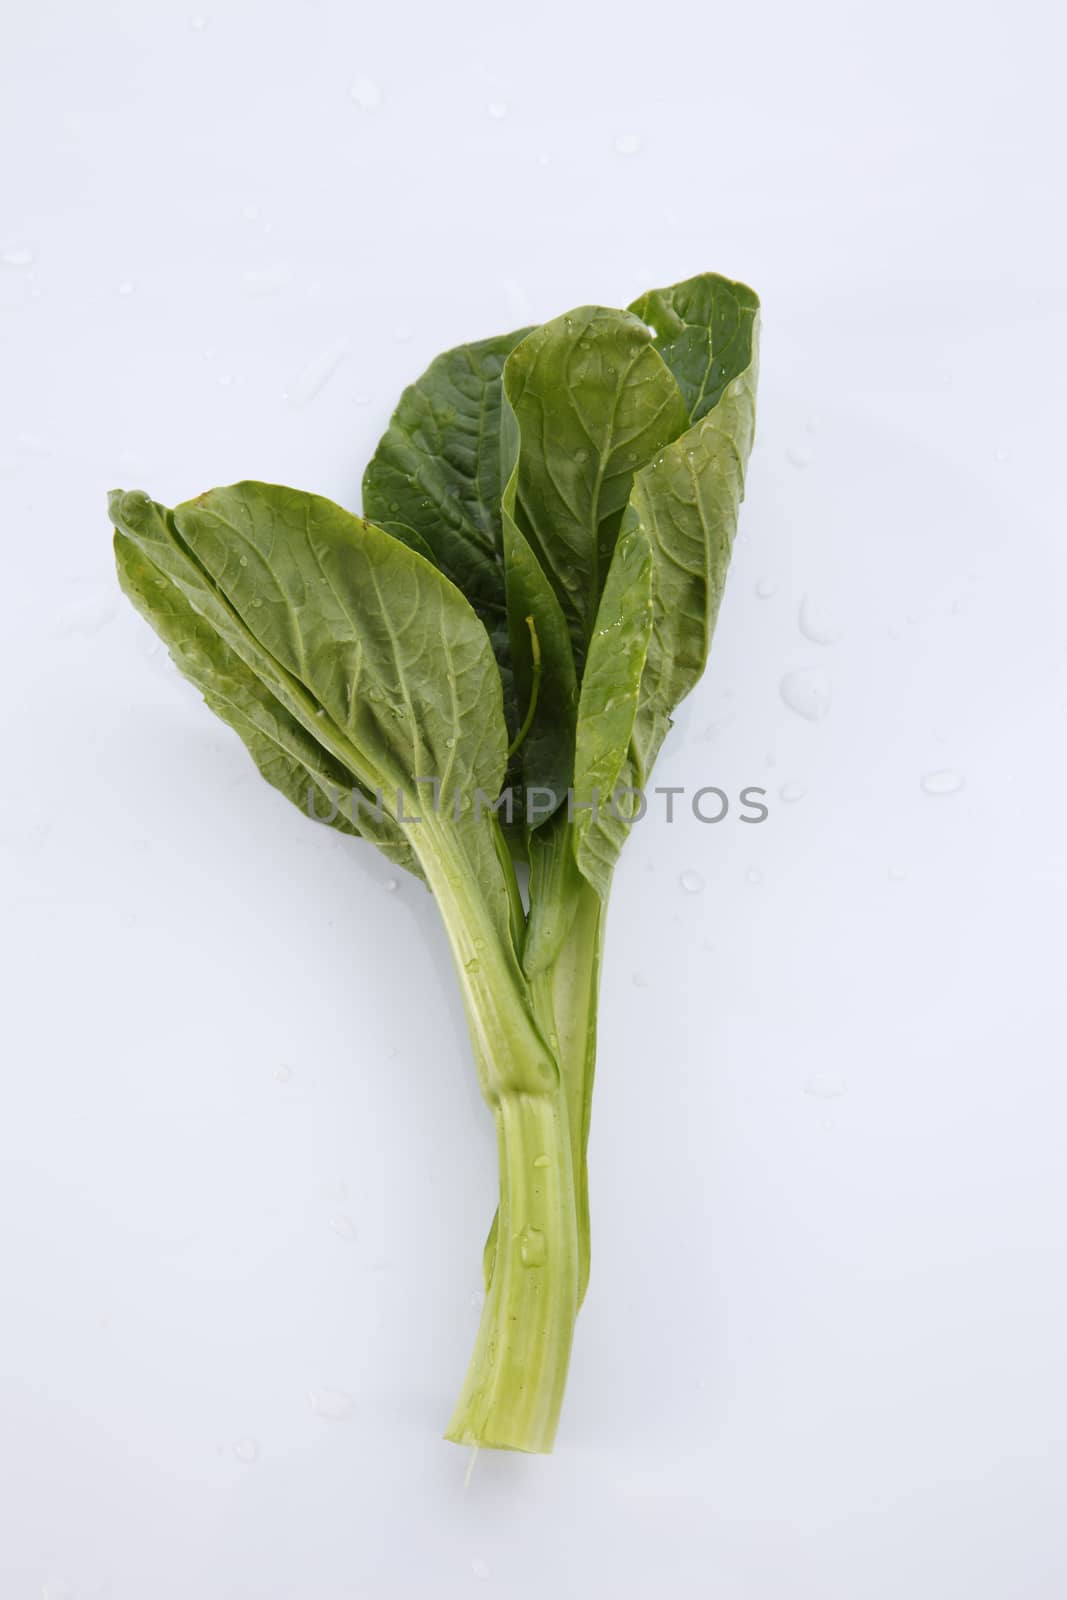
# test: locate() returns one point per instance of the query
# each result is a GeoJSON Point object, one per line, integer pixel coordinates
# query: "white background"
{"type": "Point", "coordinates": [242, 1156]}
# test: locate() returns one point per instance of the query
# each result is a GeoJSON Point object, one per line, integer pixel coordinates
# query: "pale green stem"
{"type": "Point", "coordinates": [514, 1386]}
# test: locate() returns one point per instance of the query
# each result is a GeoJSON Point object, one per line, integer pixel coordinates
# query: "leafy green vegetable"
{"type": "Point", "coordinates": [477, 676]}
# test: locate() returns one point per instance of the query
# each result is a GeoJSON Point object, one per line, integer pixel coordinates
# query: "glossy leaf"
{"type": "Point", "coordinates": [684, 504]}
{"type": "Point", "coordinates": [705, 330]}
{"type": "Point", "coordinates": [608, 768]}
{"type": "Point", "coordinates": [287, 755]}
{"type": "Point", "coordinates": [437, 469]}
{"type": "Point", "coordinates": [592, 401]}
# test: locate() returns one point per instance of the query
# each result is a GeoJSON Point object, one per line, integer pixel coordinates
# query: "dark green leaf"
{"type": "Point", "coordinates": [705, 330]}
{"type": "Point", "coordinates": [684, 507]}
{"type": "Point", "coordinates": [593, 401]}
{"type": "Point", "coordinates": [438, 470]}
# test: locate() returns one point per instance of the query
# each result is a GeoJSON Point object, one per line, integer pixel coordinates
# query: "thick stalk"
{"type": "Point", "coordinates": [513, 1391]}
{"type": "Point", "coordinates": [565, 1005]}
{"type": "Point", "coordinates": [514, 1386]}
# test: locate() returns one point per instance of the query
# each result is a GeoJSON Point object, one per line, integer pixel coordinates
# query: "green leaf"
{"type": "Point", "coordinates": [684, 506]}
{"type": "Point", "coordinates": [287, 755]}
{"type": "Point", "coordinates": [592, 401]}
{"type": "Point", "coordinates": [546, 755]}
{"type": "Point", "coordinates": [438, 470]}
{"type": "Point", "coordinates": [413, 540]}
{"type": "Point", "coordinates": [705, 330]}
{"type": "Point", "coordinates": [607, 763]}
{"type": "Point", "coordinates": [389, 648]}
{"type": "Point", "coordinates": [360, 639]}
{"type": "Point", "coordinates": [687, 504]}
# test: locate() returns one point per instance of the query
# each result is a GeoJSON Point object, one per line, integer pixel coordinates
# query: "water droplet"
{"type": "Point", "coordinates": [480, 1568]}
{"type": "Point", "coordinates": [87, 615]}
{"type": "Point", "coordinates": [17, 257]}
{"type": "Point", "coordinates": [125, 287]}
{"type": "Point", "coordinates": [799, 456]}
{"type": "Point", "coordinates": [263, 281]}
{"type": "Point", "coordinates": [807, 692]}
{"type": "Point", "coordinates": [314, 377]}
{"type": "Point", "coordinates": [816, 624]}
{"type": "Point", "coordinates": [198, 24]}
{"type": "Point", "coordinates": [243, 561]}
{"type": "Point", "coordinates": [282, 1074]}
{"type": "Point", "coordinates": [477, 1299]}
{"type": "Point", "coordinates": [225, 379]}
{"type": "Point", "coordinates": [532, 1247]}
{"type": "Point", "coordinates": [766, 587]}
{"type": "Point", "coordinates": [390, 885]}
{"type": "Point", "coordinates": [246, 1450]}
{"type": "Point", "coordinates": [1002, 455]}
{"type": "Point", "coordinates": [691, 881]}
{"type": "Point", "coordinates": [581, 455]}
{"type": "Point", "coordinates": [343, 1226]}
{"type": "Point", "coordinates": [497, 109]}
{"type": "Point", "coordinates": [753, 875]}
{"type": "Point", "coordinates": [947, 781]}
{"type": "Point", "coordinates": [333, 1405]}
{"type": "Point", "coordinates": [31, 444]}
{"type": "Point", "coordinates": [257, 601]}
{"type": "Point", "coordinates": [541, 1161]}
{"type": "Point", "coordinates": [366, 94]}
{"type": "Point", "coordinates": [627, 144]}
{"type": "Point", "coordinates": [472, 965]}
{"type": "Point", "coordinates": [792, 792]}
{"type": "Point", "coordinates": [825, 1086]}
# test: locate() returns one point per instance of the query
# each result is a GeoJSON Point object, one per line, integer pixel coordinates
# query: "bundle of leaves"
{"type": "Point", "coordinates": [476, 676]}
